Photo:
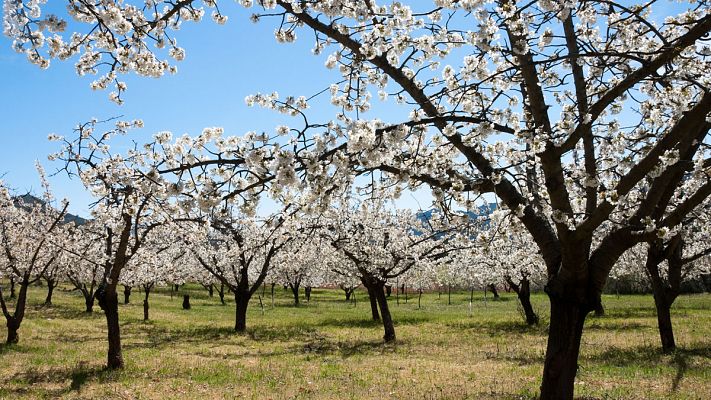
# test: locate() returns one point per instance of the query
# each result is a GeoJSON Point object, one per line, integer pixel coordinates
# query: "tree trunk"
{"type": "Point", "coordinates": [388, 290]}
{"type": "Point", "coordinates": [241, 303]}
{"type": "Point", "coordinates": [561, 363]}
{"type": "Point", "coordinates": [221, 293]}
{"type": "Point", "coordinates": [388, 326]}
{"type": "Point", "coordinates": [186, 302]}
{"type": "Point", "coordinates": [495, 292]}
{"type": "Point", "coordinates": [210, 290]}
{"type": "Point", "coordinates": [525, 299]}
{"type": "Point", "coordinates": [12, 288]}
{"type": "Point", "coordinates": [51, 284]}
{"type": "Point", "coordinates": [145, 310]}
{"type": "Point", "coordinates": [14, 321]}
{"type": "Point", "coordinates": [307, 293]}
{"type": "Point", "coordinates": [295, 292]}
{"type": "Point", "coordinates": [12, 327]}
{"type": "Point", "coordinates": [666, 332]}
{"type": "Point", "coordinates": [523, 291]}
{"type": "Point", "coordinates": [419, 299]}
{"type": "Point", "coordinates": [599, 310]}
{"type": "Point", "coordinates": [273, 284]}
{"type": "Point", "coordinates": [145, 303]}
{"type": "Point", "coordinates": [373, 303]}
{"type": "Point", "coordinates": [449, 295]}
{"type": "Point", "coordinates": [89, 302]}
{"type": "Point", "coordinates": [109, 303]}
{"type": "Point", "coordinates": [126, 294]}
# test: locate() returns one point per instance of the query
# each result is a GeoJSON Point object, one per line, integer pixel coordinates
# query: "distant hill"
{"type": "Point", "coordinates": [482, 210]}
{"type": "Point", "coordinates": [32, 200]}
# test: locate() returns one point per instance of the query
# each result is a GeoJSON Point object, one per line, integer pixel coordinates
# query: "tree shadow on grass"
{"type": "Point", "coordinates": [631, 312]}
{"type": "Point", "coordinates": [616, 326]}
{"type": "Point", "coordinates": [151, 336]}
{"type": "Point", "coordinates": [364, 322]}
{"type": "Point", "coordinates": [77, 376]}
{"type": "Point", "coordinates": [321, 345]}
{"type": "Point", "coordinates": [495, 328]}
{"type": "Point", "coordinates": [60, 312]}
{"type": "Point", "coordinates": [652, 355]}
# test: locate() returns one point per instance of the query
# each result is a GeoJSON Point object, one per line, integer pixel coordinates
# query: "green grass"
{"type": "Point", "coordinates": [330, 349]}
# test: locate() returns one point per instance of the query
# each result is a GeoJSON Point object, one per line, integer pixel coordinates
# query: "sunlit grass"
{"type": "Point", "coordinates": [330, 349]}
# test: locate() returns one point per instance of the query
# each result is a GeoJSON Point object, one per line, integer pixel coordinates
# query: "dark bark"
{"type": "Point", "coordinates": [241, 302]}
{"type": "Point", "coordinates": [51, 284]}
{"type": "Point", "coordinates": [12, 327]}
{"type": "Point", "coordinates": [388, 290]}
{"type": "Point", "coordinates": [273, 284]}
{"type": "Point", "coordinates": [564, 334]}
{"type": "Point", "coordinates": [523, 291]}
{"type": "Point", "coordinates": [186, 302]}
{"type": "Point", "coordinates": [494, 291]}
{"type": "Point", "coordinates": [210, 289]}
{"type": "Point", "coordinates": [600, 310]}
{"type": "Point", "coordinates": [387, 319]}
{"type": "Point", "coordinates": [665, 291]}
{"type": "Point", "coordinates": [295, 291]}
{"type": "Point", "coordinates": [221, 293]}
{"type": "Point", "coordinates": [89, 302]}
{"type": "Point", "coordinates": [12, 288]}
{"type": "Point", "coordinates": [419, 299]}
{"type": "Point", "coordinates": [349, 291]}
{"type": "Point", "coordinates": [108, 301]}
{"type": "Point", "coordinates": [449, 295]}
{"type": "Point", "coordinates": [147, 292]}
{"type": "Point", "coordinates": [666, 332]}
{"type": "Point", "coordinates": [126, 294]}
{"type": "Point", "coordinates": [14, 321]}
{"type": "Point", "coordinates": [145, 310]}
{"type": "Point", "coordinates": [373, 301]}
{"type": "Point", "coordinates": [307, 293]}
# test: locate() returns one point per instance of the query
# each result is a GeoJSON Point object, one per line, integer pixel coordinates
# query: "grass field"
{"type": "Point", "coordinates": [329, 349]}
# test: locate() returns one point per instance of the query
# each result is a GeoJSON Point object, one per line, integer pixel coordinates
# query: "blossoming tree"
{"type": "Point", "coordinates": [28, 236]}
{"type": "Point", "coordinates": [559, 108]}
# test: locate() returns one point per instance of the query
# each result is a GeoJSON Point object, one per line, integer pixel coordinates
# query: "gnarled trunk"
{"type": "Point", "coordinates": [51, 284]}
{"type": "Point", "coordinates": [108, 301]}
{"type": "Point", "coordinates": [388, 326]}
{"type": "Point", "coordinates": [89, 302]}
{"type": "Point", "coordinates": [241, 302]}
{"type": "Point", "coordinates": [12, 327]}
{"type": "Point", "coordinates": [494, 291]}
{"type": "Point", "coordinates": [221, 293]}
{"type": "Point", "coordinates": [523, 291]}
{"type": "Point", "coordinates": [348, 291]}
{"type": "Point", "coordinates": [146, 306]}
{"type": "Point", "coordinates": [564, 334]}
{"type": "Point", "coordinates": [295, 291]}
{"type": "Point", "coordinates": [666, 332]}
{"type": "Point", "coordinates": [126, 294]}
{"type": "Point", "coordinates": [373, 302]}
{"type": "Point", "coordinates": [14, 321]}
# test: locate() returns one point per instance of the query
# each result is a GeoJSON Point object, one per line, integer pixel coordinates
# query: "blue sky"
{"type": "Point", "coordinates": [223, 65]}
